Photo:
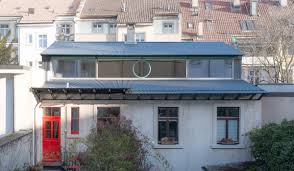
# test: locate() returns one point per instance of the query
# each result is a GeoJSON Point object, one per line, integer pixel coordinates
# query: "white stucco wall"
{"type": "Point", "coordinates": [197, 119]}
{"type": "Point", "coordinates": [276, 109]}
{"type": "Point", "coordinates": [31, 52]}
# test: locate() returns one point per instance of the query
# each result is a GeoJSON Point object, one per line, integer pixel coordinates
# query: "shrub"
{"type": "Point", "coordinates": [118, 146]}
{"type": "Point", "coordinates": [273, 146]}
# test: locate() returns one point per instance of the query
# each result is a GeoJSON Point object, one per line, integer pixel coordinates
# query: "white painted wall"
{"type": "Point", "coordinates": [197, 146]}
{"type": "Point", "coordinates": [31, 52]}
{"type": "Point", "coordinates": [276, 109]}
{"type": "Point", "coordinates": [6, 105]}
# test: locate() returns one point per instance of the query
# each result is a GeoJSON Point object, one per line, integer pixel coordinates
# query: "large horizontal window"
{"type": "Point", "coordinates": [66, 68]}
{"type": "Point", "coordinates": [142, 68]}
{"type": "Point", "coordinates": [205, 68]}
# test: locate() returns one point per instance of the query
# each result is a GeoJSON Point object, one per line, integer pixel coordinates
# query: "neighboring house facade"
{"type": "Point", "coordinates": [188, 98]}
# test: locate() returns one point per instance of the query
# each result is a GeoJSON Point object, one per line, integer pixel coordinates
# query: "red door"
{"type": "Point", "coordinates": [51, 135]}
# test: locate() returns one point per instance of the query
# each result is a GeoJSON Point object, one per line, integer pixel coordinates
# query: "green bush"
{"type": "Point", "coordinates": [118, 146]}
{"type": "Point", "coordinates": [273, 146]}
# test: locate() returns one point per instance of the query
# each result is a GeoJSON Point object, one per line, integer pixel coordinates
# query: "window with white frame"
{"type": "Point", "coordinates": [168, 132]}
{"type": "Point", "coordinates": [112, 28]}
{"type": "Point", "coordinates": [98, 28]}
{"type": "Point", "coordinates": [168, 27]}
{"type": "Point", "coordinates": [66, 28]}
{"type": "Point", "coordinates": [42, 41]}
{"type": "Point", "coordinates": [228, 125]}
{"type": "Point", "coordinates": [4, 29]}
{"type": "Point", "coordinates": [29, 38]}
{"type": "Point", "coordinates": [140, 37]}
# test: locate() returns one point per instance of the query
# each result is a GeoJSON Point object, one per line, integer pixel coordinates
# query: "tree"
{"type": "Point", "coordinates": [6, 51]}
{"type": "Point", "coordinates": [272, 45]}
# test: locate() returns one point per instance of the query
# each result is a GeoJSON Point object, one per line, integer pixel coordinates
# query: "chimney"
{"type": "Point", "coordinates": [253, 7]}
{"type": "Point", "coordinates": [31, 11]}
{"type": "Point", "coordinates": [236, 3]}
{"type": "Point", "coordinates": [124, 7]}
{"type": "Point", "coordinates": [200, 29]}
{"type": "Point", "coordinates": [195, 4]}
{"type": "Point", "coordinates": [131, 34]}
{"type": "Point", "coordinates": [283, 3]}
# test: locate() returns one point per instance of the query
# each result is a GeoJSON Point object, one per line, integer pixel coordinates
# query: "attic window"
{"type": "Point", "coordinates": [190, 25]}
{"type": "Point", "coordinates": [247, 25]}
{"type": "Point", "coordinates": [235, 6]}
{"type": "Point", "coordinates": [208, 6]}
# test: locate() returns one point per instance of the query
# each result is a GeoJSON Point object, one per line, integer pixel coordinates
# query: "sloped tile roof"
{"type": "Point", "coordinates": [220, 22]}
{"type": "Point", "coordinates": [137, 11]}
{"type": "Point", "coordinates": [45, 11]}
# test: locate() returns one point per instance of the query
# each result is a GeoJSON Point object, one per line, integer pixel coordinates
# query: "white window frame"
{"type": "Point", "coordinates": [97, 30]}
{"type": "Point", "coordinates": [180, 127]}
{"type": "Point", "coordinates": [4, 29]}
{"type": "Point", "coordinates": [64, 27]}
{"type": "Point", "coordinates": [29, 39]}
{"type": "Point", "coordinates": [42, 46]}
{"type": "Point", "coordinates": [168, 30]}
{"type": "Point", "coordinates": [241, 144]}
{"type": "Point", "coordinates": [112, 28]}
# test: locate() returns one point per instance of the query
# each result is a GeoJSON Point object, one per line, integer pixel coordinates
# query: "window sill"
{"type": "Point", "coordinates": [176, 146]}
{"type": "Point", "coordinates": [218, 146]}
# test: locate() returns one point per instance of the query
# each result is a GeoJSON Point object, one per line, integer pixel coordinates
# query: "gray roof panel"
{"type": "Point", "coordinates": [142, 49]}
{"type": "Point", "coordinates": [160, 86]}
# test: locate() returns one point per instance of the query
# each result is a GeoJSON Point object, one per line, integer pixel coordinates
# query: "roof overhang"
{"type": "Point", "coordinates": [147, 90]}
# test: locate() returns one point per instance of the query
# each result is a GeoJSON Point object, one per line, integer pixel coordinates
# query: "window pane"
{"type": "Point", "coordinates": [173, 130]}
{"type": "Point", "coordinates": [88, 68]}
{"type": "Point", "coordinates": [65, 68]}
{"type": "Point", "coordinates": [161, 130]}
{"type": "Point", "coordinates": [228, 111]}
{"type": "Point", "coordinates": [108, 112]}
{"type": "Point", "coordinates": [221, 130]}
{"type": "Point", "coordinates": [168, 111]}
{"type": "Point", "coordinates": [221, 68]}
{"type": "Point", "coordinates": [75, 125]}
{"type": "Point", "coordinates": [198, 68]}
{"type": "Point", "coordinates": [55, 129]}
{"type": "Point", "coordinates": [56, 111]}
{"type": "Point", "coordinates": [48, 129]}
{"type": "Point", "coordinates": [233, 130]}
{"type": "Point", "coordinates": [47, 111]}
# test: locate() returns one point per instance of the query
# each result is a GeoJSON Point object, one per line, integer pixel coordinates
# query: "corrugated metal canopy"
{"type": "Point", "coordinates": [141, 49]}
{"type": "Point", "coordinates": [160, 86]}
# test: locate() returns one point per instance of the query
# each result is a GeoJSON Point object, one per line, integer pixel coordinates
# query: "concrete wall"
{"type": "Point", "coordinates": [16, 151]}
{"type": "Point", "coordinates": [275, 109]}
{"type": "Point", "coordinates": [197, 128]}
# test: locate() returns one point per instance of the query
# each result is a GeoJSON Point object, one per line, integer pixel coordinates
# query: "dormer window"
{"type": "Point", "coordinates": [208, 6]}
{"type": "Point", "coordinates": [65, 28]}
{"type": "Point", "coordinates": [112, 28]}
{"type": "Point", "coordinates": [247, 25]}
{"type": "Point", "coordinates": [98, 28]}
{"type": "Point", "coordinates": [236, 6]}
{"type": "Point", "coordinates": [65, 32]}
{"type": "Point", "coordinates": [4, 29]}
{"type": "Point", "coordinates": [190, 25]}
{"type": "Point", "coordinates": [168, 28]}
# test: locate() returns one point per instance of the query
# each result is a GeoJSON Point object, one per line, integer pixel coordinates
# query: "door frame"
{"type": "Point", "coordinates": [56, 141]}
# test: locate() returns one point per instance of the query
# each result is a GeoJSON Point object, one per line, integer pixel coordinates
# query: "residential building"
{"type": "Point", "coordinates": [195, 90]}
